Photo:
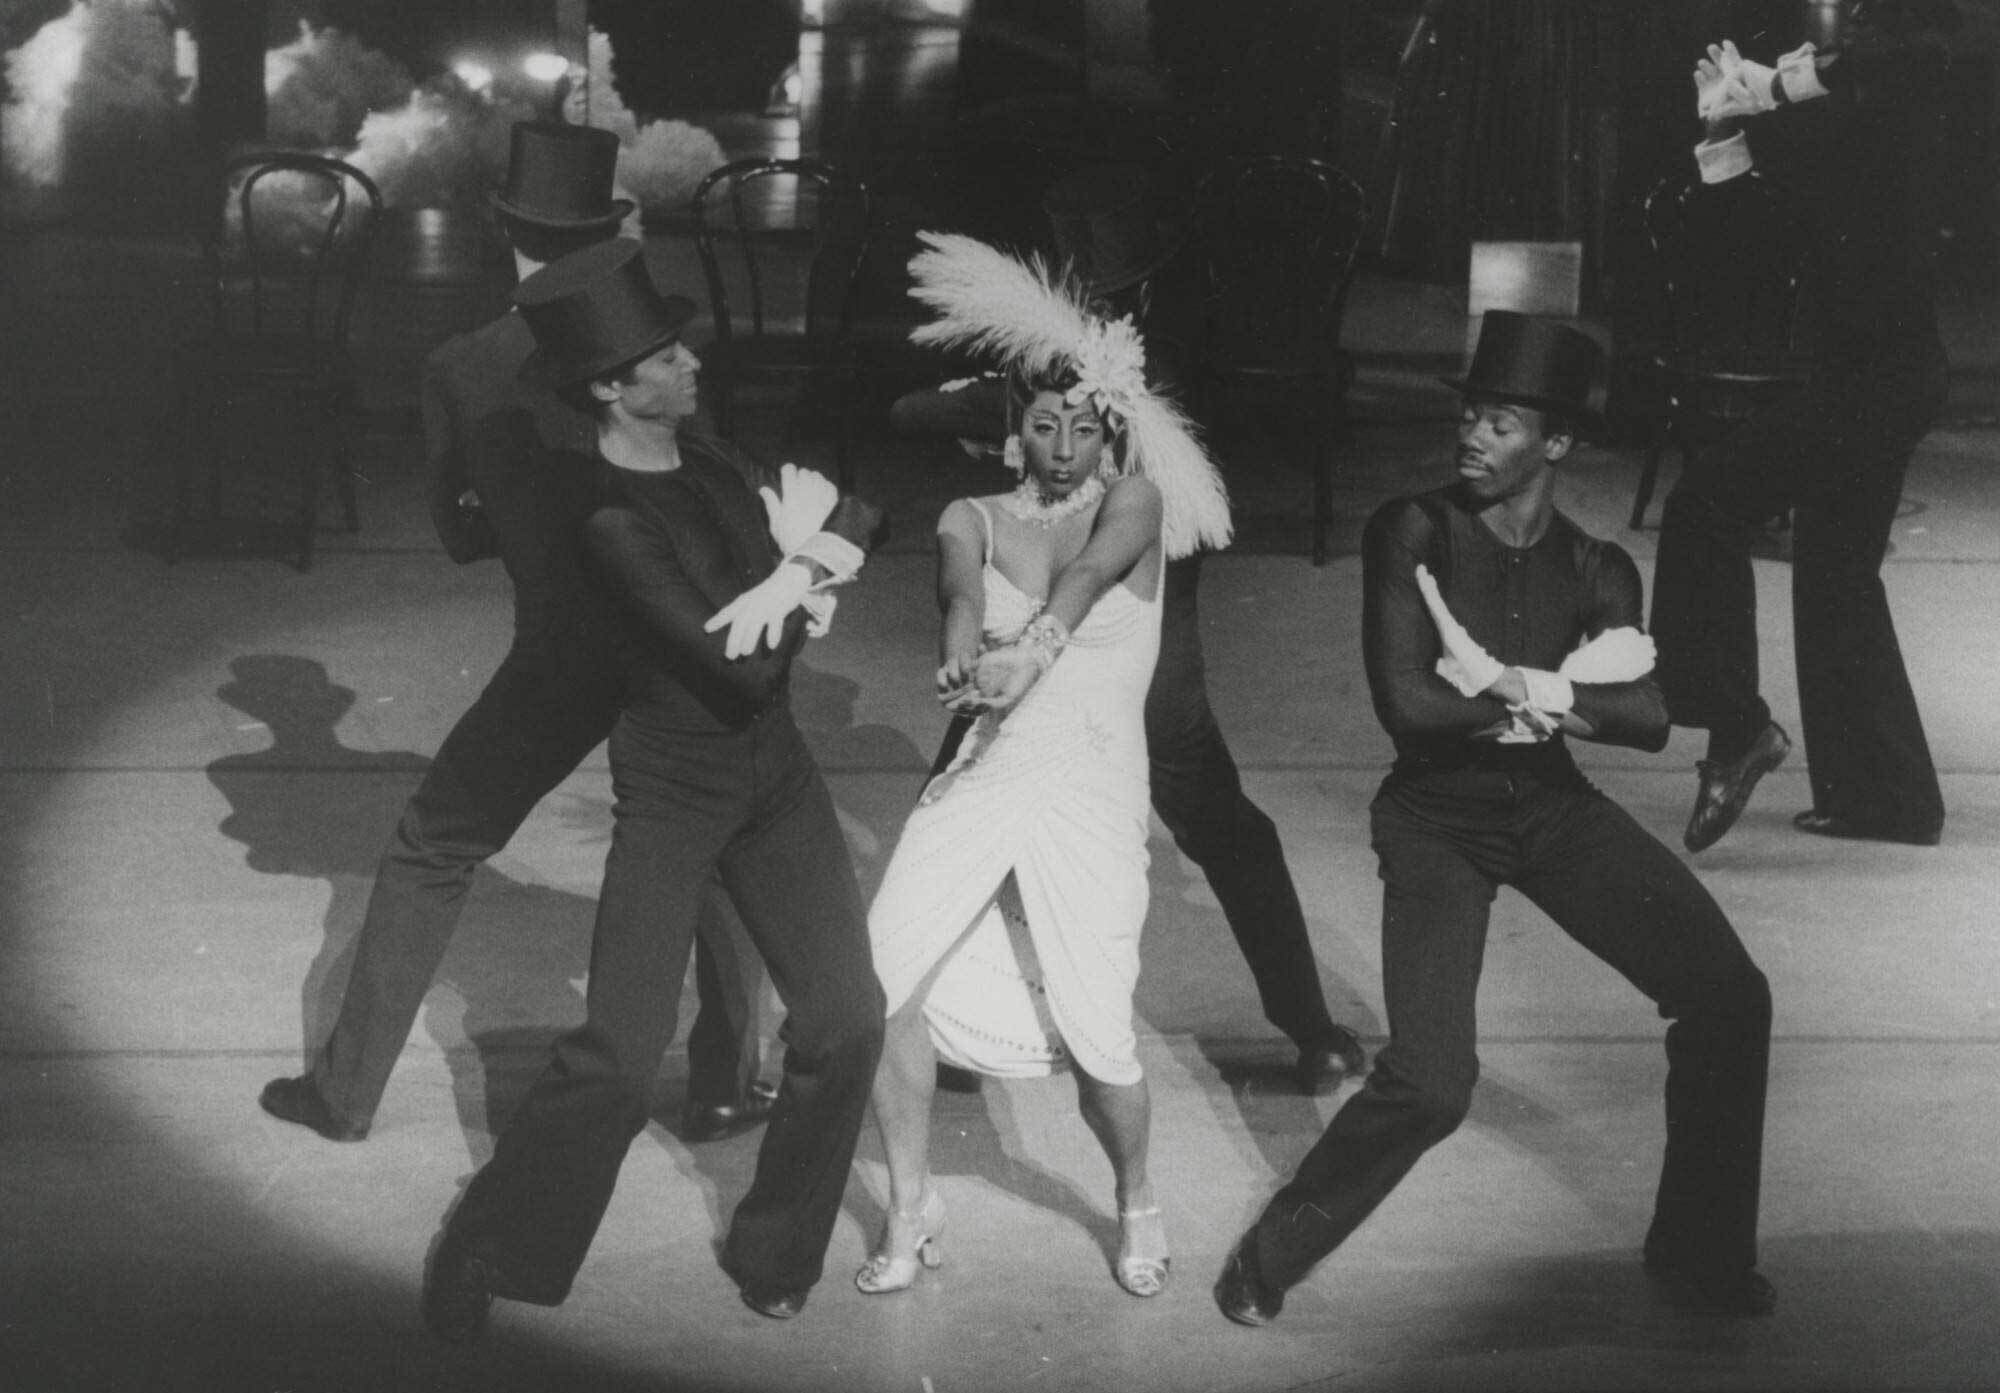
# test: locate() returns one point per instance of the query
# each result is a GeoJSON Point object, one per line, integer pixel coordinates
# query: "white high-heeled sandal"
{"type": "Point", "coordinates": [1141, 1276]}
{"type": "Point", "coordinates": [885, 1271]}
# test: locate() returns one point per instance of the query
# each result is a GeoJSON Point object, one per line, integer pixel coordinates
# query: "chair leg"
{"type": "Point", "coordinates": [180, 443]}
{"type": "Point", "coordinates": [312, 460]}
{"type": "Point", "coordinates": [1649, 479]}
{"type": "Point", "coordinates": [1322, 522]}
{"type": "Point", "coordinates": [343, 463]}
{"type": "Point", "coordinates": [843, 464]}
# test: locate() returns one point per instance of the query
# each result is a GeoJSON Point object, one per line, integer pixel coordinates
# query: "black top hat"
{"type": "Point", "coordinates": [972, 409]}
{"type": "Point", "coordinates": [1114, 224]}
{"type": "Point", "coordinates": [1537, 362]}
{"type": "Point", "coordinates": [559, 176]}
{"type": "Point", "coordinates": [594, 310]}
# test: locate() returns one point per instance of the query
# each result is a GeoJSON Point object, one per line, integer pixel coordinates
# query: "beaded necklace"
{"type": "Point", "coordinates": [1030, 505]}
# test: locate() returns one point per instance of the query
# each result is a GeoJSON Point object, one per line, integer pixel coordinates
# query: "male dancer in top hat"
{"type": "Point", "coordinates": [1109, 227]}
{"type": "Point", "coordinates": [550, 703]}
{"type": "Point", "coordinates": [712, 778]}
{"type": "Point", "coordinates": [1493, 630]}
{"type": "Point", "coordinates": [1842, 129]}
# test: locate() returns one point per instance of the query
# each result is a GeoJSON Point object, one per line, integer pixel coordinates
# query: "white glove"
{"type": "Point", "coordinates": [1465, 664]}
{"type": "Point", "coordinates": [1745, 88]}
{"type": "Point", "coordinates": [819, 607]}
{"type": "Point", "coordinates": [1528, 726]}
{"type": "Point", "coordinates": [1616, 655]}
{"type": "Point", "coordinates": [799, 506]}
{"type": "Point", "coordinates": [1798, 74]}
{"type": "Point", "coordinates": [759, 613]}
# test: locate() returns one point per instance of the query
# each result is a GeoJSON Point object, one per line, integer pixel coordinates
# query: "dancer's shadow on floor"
{"type": "Point", "coordinates": [310, 806]}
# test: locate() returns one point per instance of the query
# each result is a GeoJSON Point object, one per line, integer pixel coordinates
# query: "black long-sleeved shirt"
{"type": "Point", "coordinates": [1527, 606]}
{"type": "Point", "coordinates": [678, 546]}
{"type": "Point", "coordinates": [1856, 160]}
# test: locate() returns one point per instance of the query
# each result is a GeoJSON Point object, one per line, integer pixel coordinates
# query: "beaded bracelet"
{"type": "Point", "coordinates": [1044, 638]}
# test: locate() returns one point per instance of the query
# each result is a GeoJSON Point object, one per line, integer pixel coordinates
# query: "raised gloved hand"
{"type": "Point", "coordinates": [1744, 88]}
{"type": "Point", "coordinates": [759, 613]}
{"type": "Point", "coordinates": [1465, 664]}
{"type": "Point", "coordinates": [799, 506]}
{"type": "Point", "coordinates": [1798, 74]}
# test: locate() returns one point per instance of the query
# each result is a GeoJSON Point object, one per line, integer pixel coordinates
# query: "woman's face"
{"type": "Point", "coordinates": [1061, 444]}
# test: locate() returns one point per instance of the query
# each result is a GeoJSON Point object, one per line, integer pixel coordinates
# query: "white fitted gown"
{"type": "Point", "coordinates": [1035, 969]}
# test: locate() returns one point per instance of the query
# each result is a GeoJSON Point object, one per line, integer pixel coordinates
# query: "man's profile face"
{"type": "Point", "coordinates": [1503, 447]}
{"type": "Point", "coordinates": [664, 385]}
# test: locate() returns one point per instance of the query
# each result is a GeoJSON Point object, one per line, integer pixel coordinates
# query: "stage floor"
{"type": "Point", "coordinates": [199, 763]}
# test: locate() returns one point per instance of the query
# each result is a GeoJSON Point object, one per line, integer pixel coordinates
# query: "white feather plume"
{"type": "Point", "coordinates": [1161, 444]}
{"type": "Point", "coordinates": [987, 301]}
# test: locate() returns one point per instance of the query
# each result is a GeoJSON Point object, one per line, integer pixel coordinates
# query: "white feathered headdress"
{"type": "Point", "coordinates": [989, 302]}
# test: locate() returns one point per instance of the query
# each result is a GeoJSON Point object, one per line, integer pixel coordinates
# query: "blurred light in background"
{"type": "Point", "coordinates": [476, 76]}
{"type": "Point", "coordinates": [545, 67]}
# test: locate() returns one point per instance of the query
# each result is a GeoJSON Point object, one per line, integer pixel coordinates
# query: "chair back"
{"type": "Point", "coordinates": [781, 244]}
{"type": "Point", "coordinates": [288, 255]}
{"type": "Point", "coordinates": [1281, 236]}
{"type": "Point", "coordinates": [1729, 258]}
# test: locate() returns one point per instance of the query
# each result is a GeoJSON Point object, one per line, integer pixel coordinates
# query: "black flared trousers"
{"type": "Point", "coordinates": [1445, 841]}
{"type": "Point", "coordinates": [750, 807]}
{"type": "Point", "coordinates": [1834, 454]}
{"type": "Point", "coordinates": [543, 711]}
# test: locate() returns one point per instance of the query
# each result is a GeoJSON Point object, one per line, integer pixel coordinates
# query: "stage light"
{"type": "Point", "coordinates": [545, 66]}
{"type": "Point", "coordinates": [476, 76]}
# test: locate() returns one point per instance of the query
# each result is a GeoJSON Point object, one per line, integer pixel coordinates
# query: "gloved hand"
{"type": "Point", "coordinates": [1465, 664]}
{"type": "Point", "coordinates": [819, 607]}
{"type": "Point", "coordinates": [1744, 89]}
{"type": "Point", "coordinates": [799, 506]}
{"type": "Point", "coordinates": [1798, 74]}
{"type": "Point", "coordinates": [1616, 655]}
{"type": "Point", "coordinates": [1528, 726]}
{"type": "Point", "coordinates": [759, 613]}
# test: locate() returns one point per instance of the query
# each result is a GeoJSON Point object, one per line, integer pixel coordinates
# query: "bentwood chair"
{"type": "Point", "coordinates": [1281, 236]}
{"type": "Point", "coordinates": [273, 380]}
{"type": "Point", "coordinates": [1729, 258]}
{"type": "Point", "coordinates": [781, 244]}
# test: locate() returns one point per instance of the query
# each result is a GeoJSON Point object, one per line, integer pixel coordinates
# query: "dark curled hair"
{"type": "Point", "coordinates": [578, 396]}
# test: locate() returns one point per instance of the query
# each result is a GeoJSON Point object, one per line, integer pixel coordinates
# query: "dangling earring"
{"type": "Point", "coordinates": [1011, 456]}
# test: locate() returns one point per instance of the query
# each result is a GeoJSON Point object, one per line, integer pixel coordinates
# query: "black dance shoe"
{"type": "Point", "coordinates": [702, 1122]}
{"type": "Point", "coordinates": [300, 1101]}
{"type": "Point", "coordinates": [1239, 1291]}
{"type": "Point", "coordinates": [1742, 1292]}
{"type": "Point", "coordinates": [458, 1292]}
{"type": "Point", "coordinates": [779, 1303]}
{"type": "Point", "coordinates": [1726, 785]}
{"type": "Point", "coordinates": [1324, 1063]}
{"type": "Point", "coordinates": [1857, 830]}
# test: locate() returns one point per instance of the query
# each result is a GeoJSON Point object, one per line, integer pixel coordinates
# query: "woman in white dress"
{"type": "Point", "coordinates": [1006, 930]}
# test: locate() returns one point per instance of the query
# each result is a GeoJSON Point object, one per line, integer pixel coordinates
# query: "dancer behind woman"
{"type": "Point", "coordinates": [1006, 931]}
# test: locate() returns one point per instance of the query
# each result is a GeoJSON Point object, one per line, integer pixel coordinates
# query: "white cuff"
{"type": "Point", "coordinates": [1548, 692]}
{"type": "Point", "coordinates": [1799, 76]}
{"type": "Point", "coordinates": [1470, 678]}
{"type": "Point", "coordinates": [840, 557]}
{"type": "Point", "coordinates": [1723, 160]}
{"type": "Point", "coordinates": [819, 610]}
